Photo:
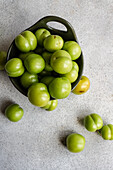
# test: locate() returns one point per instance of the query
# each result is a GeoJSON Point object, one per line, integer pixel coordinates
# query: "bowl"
{"type": "Point", "coordinates": [68, 35]}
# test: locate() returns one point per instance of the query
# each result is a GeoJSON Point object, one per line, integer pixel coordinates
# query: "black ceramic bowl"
{"type": "Point", "coordinates": [66, 35]}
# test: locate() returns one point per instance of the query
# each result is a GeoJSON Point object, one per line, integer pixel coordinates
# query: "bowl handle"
{"type": "Point", "coordinates": [70, 33]}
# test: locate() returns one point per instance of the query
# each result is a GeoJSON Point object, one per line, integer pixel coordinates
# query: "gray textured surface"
{"type": "Point", "coordinates": [34, 143]}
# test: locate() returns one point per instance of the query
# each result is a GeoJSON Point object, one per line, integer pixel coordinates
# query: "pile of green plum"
{"type": "Point", "coordinates": [74, 142]}
{"type": "Point", "coordinates": [93, 123]}
{"type": "Point", "coordinates": [45, 66]}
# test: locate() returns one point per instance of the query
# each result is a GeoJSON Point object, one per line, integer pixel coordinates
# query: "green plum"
{"type": "Point", "coordinates": [47, 56]}
{"type": "Point", "coordinates": [26, 41]}
{"type": "Point", "coordinates": [73, 49]}
{"type": "Point", "coordinates": [82, 86]}
{"type": "Point", "coordinates": [73, 74]}
{"type": "Point", "coordinates": [3, 56]}
{"type": "Point", "coordinates": [75, 142]}
{"type": "Point", "coordinates": [41, 34]}
{"type": "Point", "coordinates": [47, 80]}
{"type": "Point", "coordinates": [75, 66]}
{"type": "Point", "coordinates": [14, 112]}
{"type": "Point", "coordinates": [93, 122]}
{"type": "Point", "coordinates": [22, 56]}
{"type": "Point", "coordinates": [53, 43]}
{"type": "Point", "coordinates": [14, 67]}
{"type": "Point", "coordinates": [27, 79]}
{"type": "Point", "coordinates": [61, 62]}
{"type": "Point", "coordinates": [107, 132]}
{"type": "Point", "coordinates": [38, 94]}
{"type": "Point", "coordinates": [60, 88]}
{"type": "Point", "coordinates": [52, 104]}
{"type": "Point", "coordinates": [34, 63]}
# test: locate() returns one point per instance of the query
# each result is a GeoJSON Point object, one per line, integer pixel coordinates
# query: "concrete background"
{"type": "Point", "coordinates": [34, 143]}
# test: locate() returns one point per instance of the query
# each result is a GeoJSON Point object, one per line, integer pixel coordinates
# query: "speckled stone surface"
{"type": "Point", "coordinates": [35, 142]}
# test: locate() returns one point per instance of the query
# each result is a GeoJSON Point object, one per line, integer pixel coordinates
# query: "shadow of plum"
{"type": "Point", "coordinates": [4, 105]}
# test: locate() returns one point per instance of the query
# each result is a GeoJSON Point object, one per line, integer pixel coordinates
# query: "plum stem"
{"type": "Point", "coordinates": [99, 132]}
